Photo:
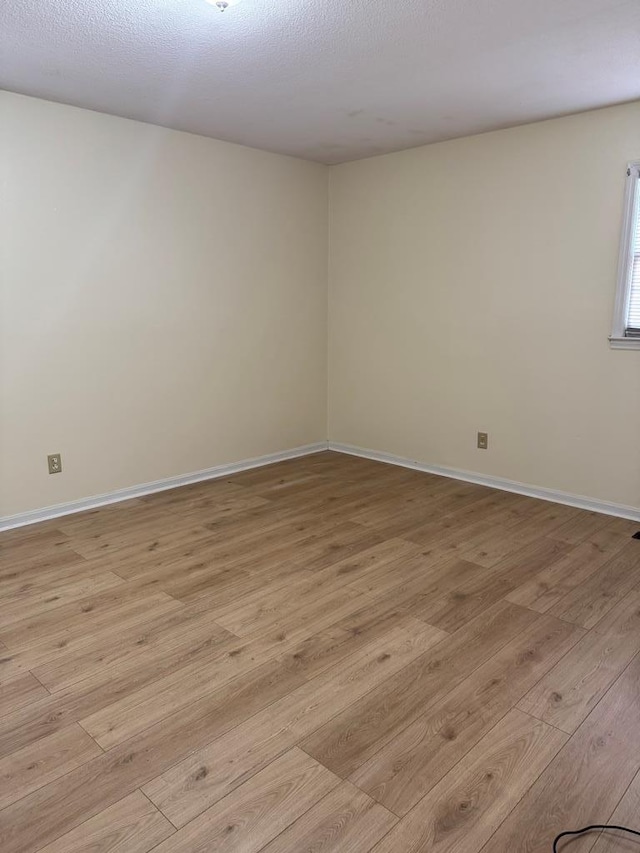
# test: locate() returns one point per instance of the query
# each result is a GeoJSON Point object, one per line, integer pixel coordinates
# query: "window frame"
{"type": "Point", "coordinates": [618, 339]}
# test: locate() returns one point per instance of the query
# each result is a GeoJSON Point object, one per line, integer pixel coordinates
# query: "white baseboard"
{"type": "Point", "coordinates": [567, 498]}
{"type": "Point", "coordinates": [8, 522]}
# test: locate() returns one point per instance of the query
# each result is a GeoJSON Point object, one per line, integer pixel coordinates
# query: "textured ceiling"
{"type": "Point", "coordinates": [323, 79]}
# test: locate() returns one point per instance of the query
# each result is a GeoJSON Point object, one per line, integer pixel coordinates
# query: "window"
{"type": "Point", "coordinates": [626, 320]}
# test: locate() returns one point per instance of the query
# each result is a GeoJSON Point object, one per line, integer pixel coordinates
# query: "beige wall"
{"type": "Point", "coordinates": [471, 288]}
{"type": "Point", "coordinates": [163, 303]}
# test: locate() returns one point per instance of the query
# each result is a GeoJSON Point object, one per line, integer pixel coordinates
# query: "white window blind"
{"type": "Point", "coordinates": [633, 311]}
{"type": "Point", "coordinates": [626, 316]}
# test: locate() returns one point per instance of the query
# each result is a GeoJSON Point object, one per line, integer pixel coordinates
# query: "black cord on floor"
{"type": "Point", "coordinates": [596, 826]}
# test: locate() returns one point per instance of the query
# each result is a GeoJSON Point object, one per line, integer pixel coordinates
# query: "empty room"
{"type": "Point", "coordinates": [320, 426]}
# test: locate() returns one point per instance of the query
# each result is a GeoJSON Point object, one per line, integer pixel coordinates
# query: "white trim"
{"type": "Point", "coordinates": [624, 343]}
{"type": "Point", "coordinates": [617, 338]}
{"type": "Point", "coordinates": [8, 522]}
{"type": "Point", "coordinates": [606, 507]}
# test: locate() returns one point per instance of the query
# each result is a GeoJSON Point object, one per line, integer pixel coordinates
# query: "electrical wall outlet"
{"type": "Point", "coordinates": [54, 460]}
{"type": "Point", "coordinates": [483, 440]}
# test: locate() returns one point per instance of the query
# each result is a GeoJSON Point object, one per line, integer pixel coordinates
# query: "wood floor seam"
{"type": "Point", "coordinates": [101, 748]}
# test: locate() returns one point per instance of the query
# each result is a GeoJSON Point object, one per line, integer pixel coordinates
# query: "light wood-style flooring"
{"type": "Point", "coordinates": [328, 654]}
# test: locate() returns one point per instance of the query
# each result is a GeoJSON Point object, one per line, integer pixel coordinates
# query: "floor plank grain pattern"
{"type": "Point", "coordinates": [324, 655]}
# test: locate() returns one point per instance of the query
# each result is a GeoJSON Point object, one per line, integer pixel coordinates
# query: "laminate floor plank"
{"type": "Point", "coordinates": [325, 654]}
{"type": "Point", "coordinates": [411, 764]}
{"type": "Point", "coordinates": [133, 647]}
{"type": "Point", "coordinates": [107, 686]}
{"type": "Point", "coordinates": [585, 781]}
{"type": "Point", "coordinates": [128, 558]}
{"type": "Point", "coordinates": [21, 546]}
{"type": "Point", "coordinates": [209, 774]}
{"type": "Point", "coordinates": [469, 599]}
{"type": "Point", "coordinates": [587, 604]}
{"type": "Point", "coordinates": [460, 527]}
{"type": "Point", "coordinates": [132, 825]}
{"type": "Point", "coordinates": [411, 581]}
{"type": "Point", "coordinates": [133, 616]}
{"type": "Point", "coordinates": [462, 811]}
{"type": "Point", "coordinates": [580, 528]}
{"type": "Point", "coordinates": [443, 508]}
{"type": "Point", "coordinates": [351, 737]}
{"type": "Point", "coordinates": [261, 610]}
{"type": "Point", "coordinates": [623, 619]}
{"type": "Point", "coordinates": [42, 569]}
{"type": "Point", "coordinates": [546, 588]}
{"type": "Point", "coordinates": [532, 558]}
{"type": "Point", "coordinates": [343, 541]}
{"type": "Point", "coordinates": [140, 709]}
{"type": "Point", "coordinates": [344, 821]}
{"type": "Point", "coordinates": [625, 814]}
{"type": "Point", "coordinates": [258, 810]}
{"type": "Point", "coordinates": [141, 532]}
{"type": "Point", "coordinates": [111, 607]}
{"type": "Point", "coordinates": [10, 668]}
{"type": "Point", "coordinates": [566, 695]}
{"type": "Point", "coordinates": [34, 766]}
{"type": "Point", "coordinates": [527, 528]}
{"type": "Point", "coordinates": [21, 690]}
{"type": "Point", "coordinates": [46, 814]}
{"type": "Point", "coordinates": [24, 606]}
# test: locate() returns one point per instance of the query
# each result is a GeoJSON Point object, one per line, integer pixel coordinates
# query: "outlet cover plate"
{"type": "Point", "coordinates": [54, 461]}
